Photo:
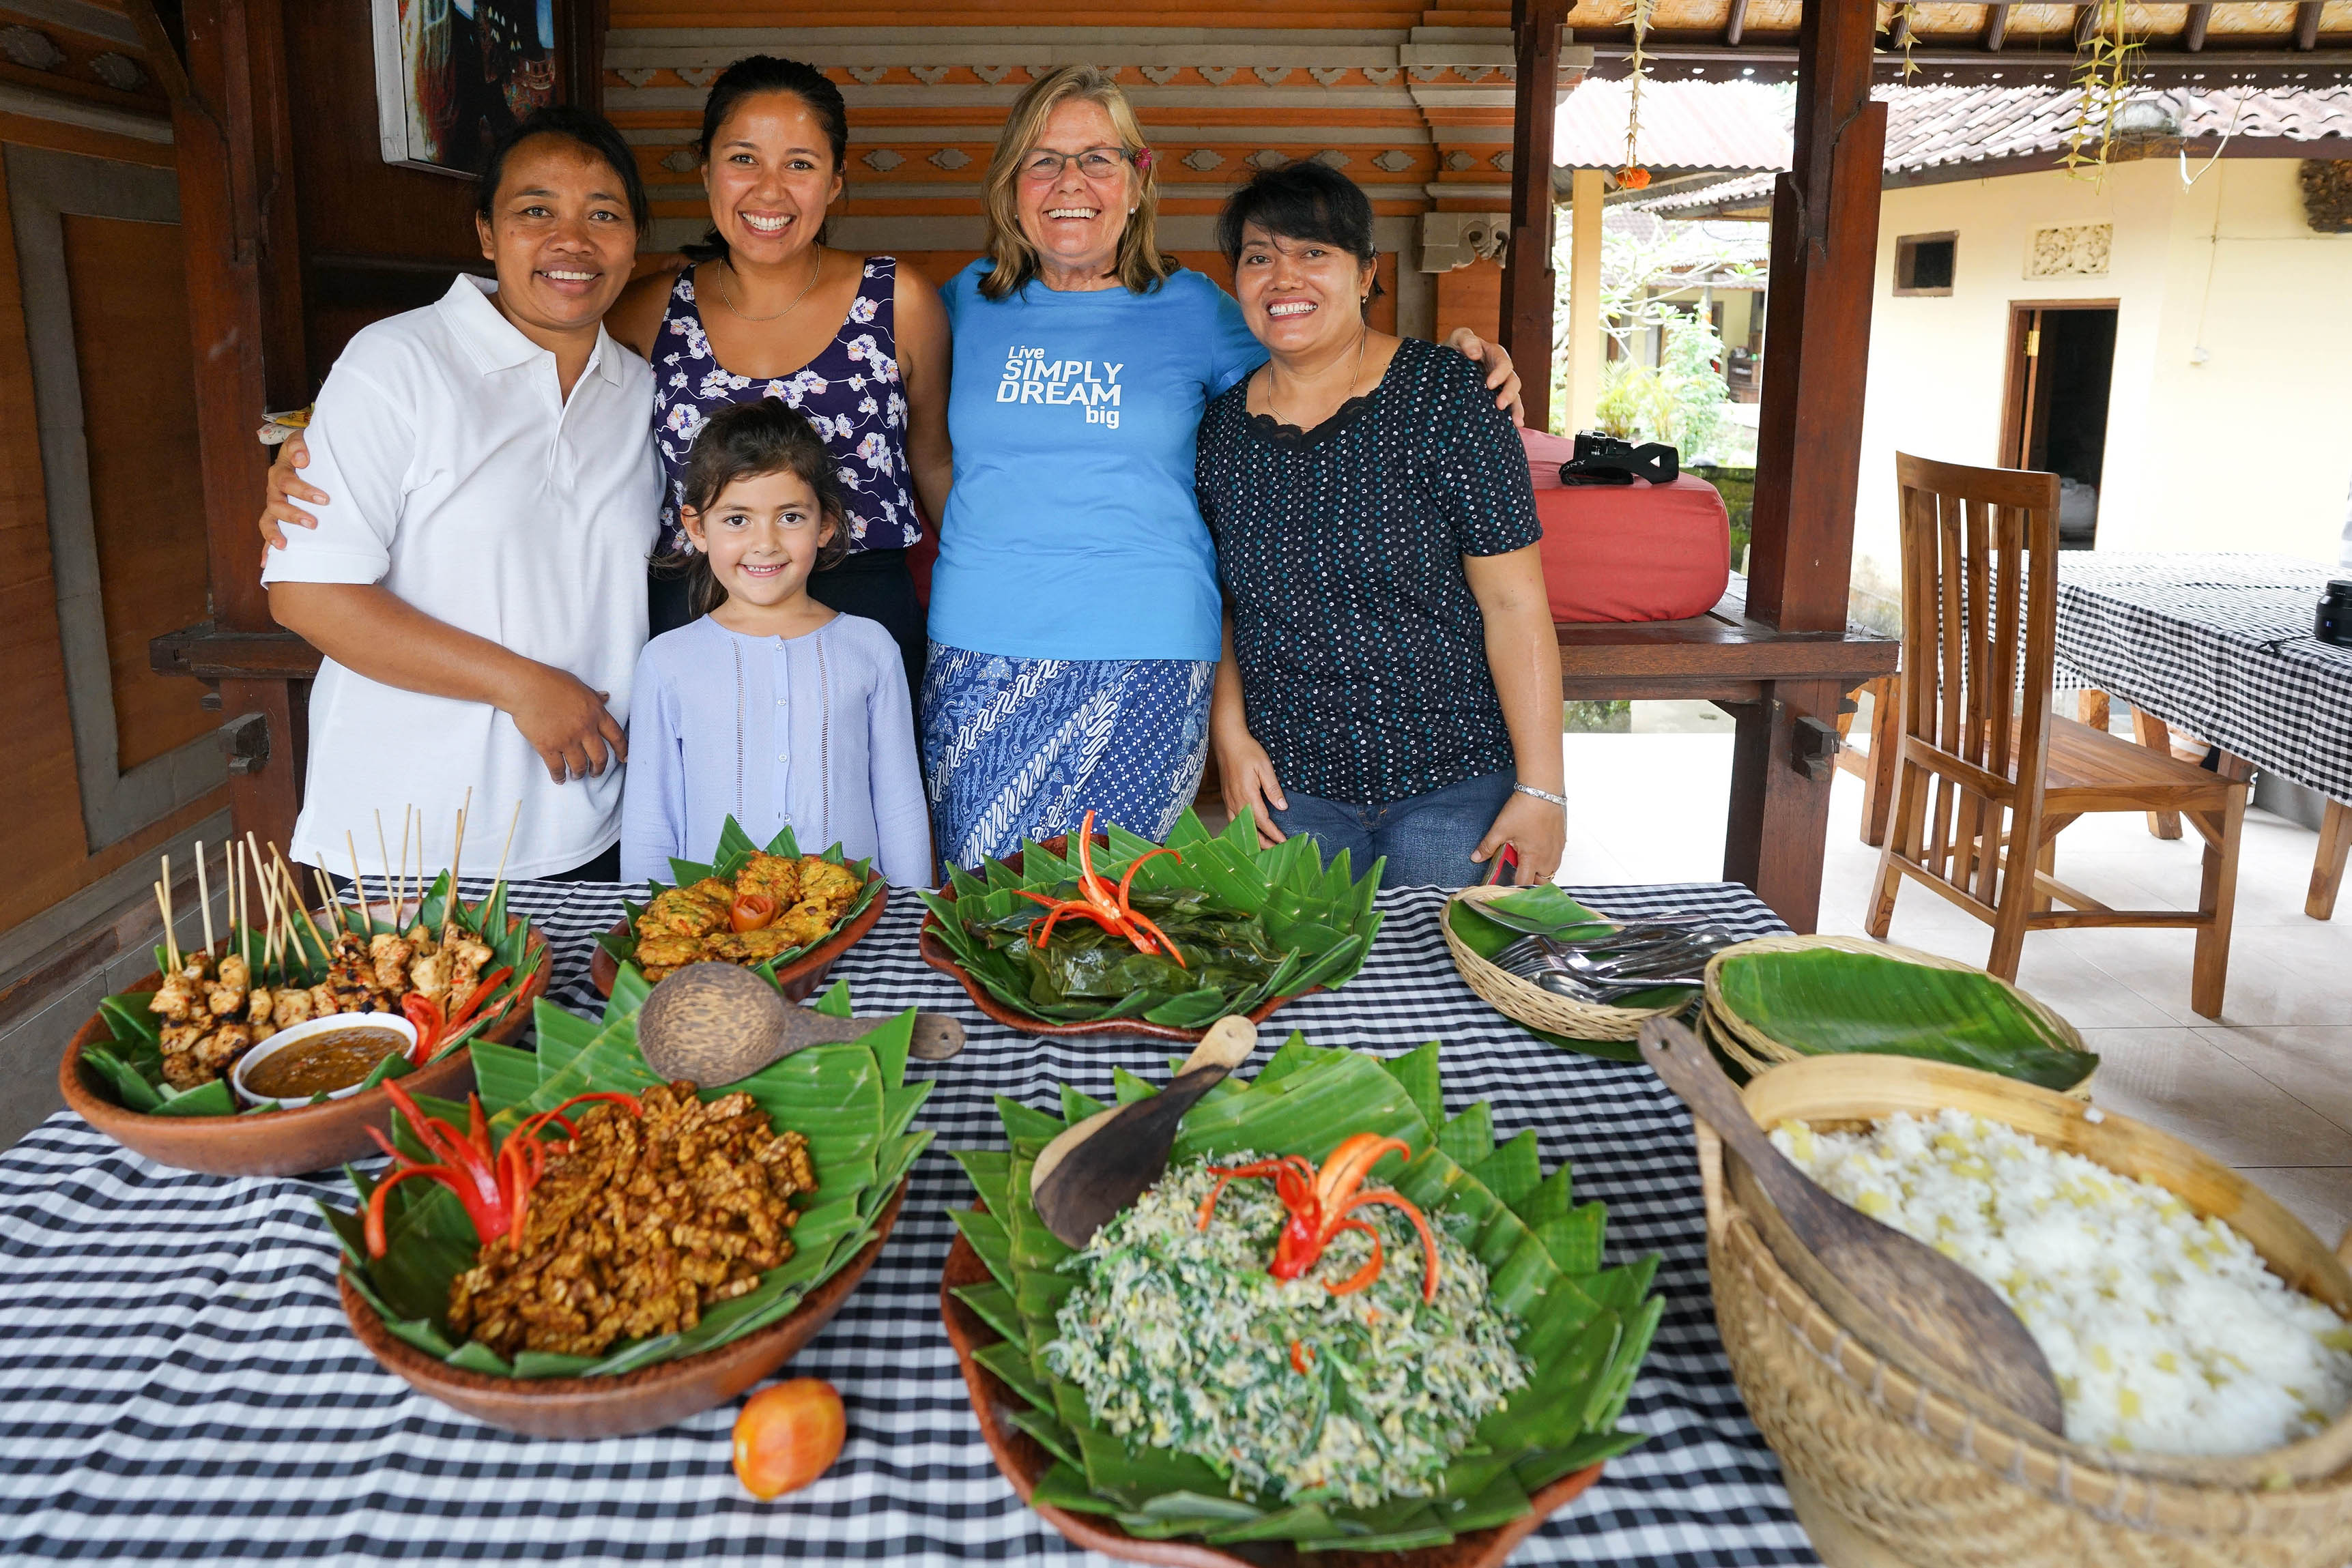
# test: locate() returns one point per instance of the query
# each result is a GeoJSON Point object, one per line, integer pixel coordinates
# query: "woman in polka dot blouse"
{"type": "Point", "coordinates": [1390, 682]}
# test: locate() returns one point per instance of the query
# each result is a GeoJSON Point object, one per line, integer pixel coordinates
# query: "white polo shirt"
{"type": "Point", "coordinates": [465, 484]}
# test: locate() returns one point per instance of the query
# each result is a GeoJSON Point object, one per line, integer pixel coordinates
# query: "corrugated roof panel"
{"type": "Point", "coordinates": [1684, 125]}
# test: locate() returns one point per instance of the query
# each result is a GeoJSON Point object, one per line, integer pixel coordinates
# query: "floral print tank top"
{"type": "Point", "coordinates": [851, 393]}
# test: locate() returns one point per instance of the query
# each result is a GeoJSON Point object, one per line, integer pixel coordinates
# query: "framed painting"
{"type": "Point", "coordinates": [450, 75]}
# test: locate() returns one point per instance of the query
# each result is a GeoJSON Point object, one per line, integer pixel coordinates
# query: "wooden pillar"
{"type": "Point", "coordinates": [1585, 329]}
{"type": "Point", "coordinates": [231, 124]}
{"type": "Point", "coordinates": [1817, 328]}
{"type": "Point", "coordinates": [1528, 280]}
{"type": "Point", "coordinates": [1809, 449]}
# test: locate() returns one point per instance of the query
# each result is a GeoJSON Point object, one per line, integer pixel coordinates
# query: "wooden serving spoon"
{"type": "Point", "coordinates": [1096, 1168]}
{"type": "Point", "coordinates": [719, 1023]}
{"type": "Point", "coordinates": [1941, 1314]}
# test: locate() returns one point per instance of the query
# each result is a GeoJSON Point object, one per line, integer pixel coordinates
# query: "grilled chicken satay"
{"type": "Point", "coordinates": [179, 999]}
{"type": "Point", "coordinates": [428, 974]}
{"type": "Point", "coordinates": [390, 957]}
{"type": "Point", "coordinates": [226, 997]}
{"type": "Point", "coordinates": [182, 1070]}
{"type": "Point", "coordinates": [290, 1006]}
{"type": "Point", "coordinates": [259, 1008]}
{"type": "Point", "coordinates": [466, 957]}
{"type": "Point", "coordinates": [219, 1048]}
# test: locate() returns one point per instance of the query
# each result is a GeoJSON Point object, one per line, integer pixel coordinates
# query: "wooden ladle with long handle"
{"type": "Point", "coordinates": [1945, 1316]}
{"type": "Point", "coordinates": [1094, 1169]}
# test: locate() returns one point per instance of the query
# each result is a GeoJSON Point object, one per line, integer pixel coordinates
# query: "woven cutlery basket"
{"type": "Point", "coordinates": [1930, 1474]}
{"type": "Point", "coordinates": [1756, 1051]}
{"type": "Point", "coordinates": [1529, 1003]}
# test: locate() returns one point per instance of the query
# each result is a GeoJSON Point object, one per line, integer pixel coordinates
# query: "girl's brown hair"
{"type": "Point", "coordinates": [750, 441]}
{"type": "Point", "coordinates": [1140, 266]}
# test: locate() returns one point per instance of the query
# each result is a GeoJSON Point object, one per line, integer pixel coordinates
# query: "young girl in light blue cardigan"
{"type": "Point", "coordinates": [770, 708]}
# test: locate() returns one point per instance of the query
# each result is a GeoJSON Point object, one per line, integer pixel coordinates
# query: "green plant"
{"type": "Point", "coordinates": [1585, 1327]}
{"type": "Point", "coordinates": [1695, 390]}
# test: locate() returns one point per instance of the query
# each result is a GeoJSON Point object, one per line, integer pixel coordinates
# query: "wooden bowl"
{"type": "Point", "coordinates": [280, 1143]}
{"type": "Point", "coordinates": [797, 979]}
{"type": "Point", "coordinates": [935, 953]}
{"type": "Point", "coordinates": [632, 1402]}
{"type": "Point", "coordinates": [1843, 1092]}
{"type": "Point", "coordinates": [1024, 1461]}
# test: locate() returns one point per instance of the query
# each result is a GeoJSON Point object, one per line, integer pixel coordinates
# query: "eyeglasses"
{"type": "Point", "coordinates": [1095, 163]}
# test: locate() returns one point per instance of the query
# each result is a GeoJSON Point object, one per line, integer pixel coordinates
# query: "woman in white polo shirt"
{"type": "Point", "coordinates": [477, 583]}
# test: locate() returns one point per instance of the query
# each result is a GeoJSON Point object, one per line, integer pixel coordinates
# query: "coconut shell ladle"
{"type": "Point", "coordinates": [1093, 1170]}
{"type": "Point", "coordinates": [719, 1023]}
{"type": "Point", "coordinates": [1943, 1319]}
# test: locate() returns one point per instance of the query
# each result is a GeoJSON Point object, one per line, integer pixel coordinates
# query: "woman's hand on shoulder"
{"type": "Point", "coordinates": [636, 316]}
{"type": "Point", "coordinates": [278, 512]}
{"type": "Point", "coordinates": [1536, 829]}
{"type": "Point", "coordinates": [1496, 360]}
{"type": "Point", "coordinates": [1246, 780]}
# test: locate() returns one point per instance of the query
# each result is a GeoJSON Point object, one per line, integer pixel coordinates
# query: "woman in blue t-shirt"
{"type": "Point", "coordinates": [1075, 616]}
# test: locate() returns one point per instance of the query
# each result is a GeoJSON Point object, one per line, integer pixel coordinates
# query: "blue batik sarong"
{"type": "Point", "coordinates": [1023, 749]}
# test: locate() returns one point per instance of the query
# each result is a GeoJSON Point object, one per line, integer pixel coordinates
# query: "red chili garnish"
{"type": "Point", "coordinates": [1300, 1356]}
{"type": "Point", "coordinates": [1105, 906]}
{"type": "Point", "coordinates": [752, 912]}
{"type": "Point", "coordinates": [493, 1185]}
{"type": "Point", "coordinates": [1320, 1203]}
{"type": "Point", "coordinates": [432, 1026]}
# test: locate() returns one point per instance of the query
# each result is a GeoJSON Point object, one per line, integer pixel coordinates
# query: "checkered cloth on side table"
{"type": "Point", "coordinates": [2217, 645]}
{"type": "Point", "coordinates": [177, 1380]}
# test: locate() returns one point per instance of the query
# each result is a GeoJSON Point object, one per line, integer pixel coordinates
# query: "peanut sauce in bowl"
{"type": "Point", "coordinates": [331, 1056]}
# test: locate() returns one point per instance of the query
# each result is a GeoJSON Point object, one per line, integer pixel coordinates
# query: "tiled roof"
{"type": "Point", "coordinates": [1927, 127]}
{"type": "Point", "coordinates": [1684, 125]}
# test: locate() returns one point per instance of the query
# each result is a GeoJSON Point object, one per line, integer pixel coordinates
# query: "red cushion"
{"type": "Point", "coordinates": [1627, 552]}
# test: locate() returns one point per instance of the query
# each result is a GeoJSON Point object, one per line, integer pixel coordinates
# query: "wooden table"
{"type": "Point", "coordinates": [1784, 690]}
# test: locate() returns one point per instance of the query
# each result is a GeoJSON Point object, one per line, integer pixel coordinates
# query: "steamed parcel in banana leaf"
{"type": "Point", "coordinates": [1178, 934]}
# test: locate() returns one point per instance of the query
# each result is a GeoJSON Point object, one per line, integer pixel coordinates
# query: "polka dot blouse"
{"type": "Point", "coordinates": [1362, 650]}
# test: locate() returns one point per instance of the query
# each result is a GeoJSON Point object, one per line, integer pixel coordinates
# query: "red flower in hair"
{"type": "Point", "coordinates": [1144, 157]}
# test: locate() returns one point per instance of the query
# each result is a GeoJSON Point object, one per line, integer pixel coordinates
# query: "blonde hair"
{"type": "Point", "coordinates": [1140, 267]}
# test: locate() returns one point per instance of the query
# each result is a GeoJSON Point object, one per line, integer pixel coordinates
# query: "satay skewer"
{"type": "Point", "coordinates": [359, 885]}
{"type": "Point", "coordinates": [456, 857]}
{"type": "Point", "coordinates": [400, 899]}
{"type": "Point", "coordinates": [292, 891]}
{"type": "Point", "coordinates": [163, 907]}
{"type": "Point", "coordinates": [270, 949]}
{"type": "Point", "coordinates": [500, 881]}
{"type": "Point", "coordinates": [383, 855]}
{"type": "Point", "coordinates": [205, 896]}
{"type": "Point", "coordinates": [240, 897]}
{"type": "Point", "coordinates": [329, 899]}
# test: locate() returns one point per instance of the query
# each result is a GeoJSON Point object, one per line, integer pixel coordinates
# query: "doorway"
{"type": "Point", "coordinates": [2061, 361]}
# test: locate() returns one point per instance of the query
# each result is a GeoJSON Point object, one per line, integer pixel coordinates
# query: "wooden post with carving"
{"type": "Point", "coordinates": [1526, 326]}
{"type": "Point", "coordinates": [1809, 449]}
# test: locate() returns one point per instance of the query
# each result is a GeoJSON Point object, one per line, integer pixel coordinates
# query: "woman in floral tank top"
{"type": "Point", "coordinates": [859, 344]}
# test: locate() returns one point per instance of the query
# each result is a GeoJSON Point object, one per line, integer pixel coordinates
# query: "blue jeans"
{"type": "Point", "coordinates": [1427, 838]}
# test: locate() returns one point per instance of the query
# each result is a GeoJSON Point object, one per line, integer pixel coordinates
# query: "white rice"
{"type": "Point", "coordinates": [2165, 1332]}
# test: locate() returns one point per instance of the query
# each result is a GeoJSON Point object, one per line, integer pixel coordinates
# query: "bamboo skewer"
{"type": "Point", "coordinates": [205, 896]}
{"type": "Point", "coordinates": [163, 907]}
{"type": "Point", "coordinates": [500, 881]}
{"type": "Point", "coordinates": [233, 868]}
{"type": "Point", "coordinates": [329, 899]}
{"type": "Point", "coordinates": [359, 885]}
{"type": "Point", "coordinates": [383, 852]}
{"type": "Point", "coordinates": [456, 858]}
{"type": "Point", "coordinates": [400, 899]}
{"type": "Point", "coordinates": [269, 944]}
{"type": "Point", "coordinates": [292, 891]}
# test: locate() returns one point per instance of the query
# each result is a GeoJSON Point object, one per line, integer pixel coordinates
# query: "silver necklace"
{"type": "Point", "coordinates": [780, 315]}
{"type": "Point", "coordinates": [1353, 377]}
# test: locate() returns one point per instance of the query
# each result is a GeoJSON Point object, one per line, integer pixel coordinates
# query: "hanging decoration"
{"type": "Point", "coordinates": [1633, 176]}
{"type": "Point", "coordinates": [2104, 63]}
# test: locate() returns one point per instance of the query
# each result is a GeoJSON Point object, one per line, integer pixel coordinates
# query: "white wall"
{"type": "Point", "coordinates": [2250, 451]}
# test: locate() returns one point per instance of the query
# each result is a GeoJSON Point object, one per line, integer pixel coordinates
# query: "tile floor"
{"type": "Point", "coordinates": [2265, 1088]}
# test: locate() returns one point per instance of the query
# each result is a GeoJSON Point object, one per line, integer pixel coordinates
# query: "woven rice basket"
{"type": "Point", "coordinates": [1755, 1050]}
{"type": "Point", "coordinates": [1529, 1003]}
{"type": "Point", "coordinates": [1937, 1478]}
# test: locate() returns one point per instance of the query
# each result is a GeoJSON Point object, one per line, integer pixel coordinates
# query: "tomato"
{"type": "Point", "coordinates": [788, 1435]}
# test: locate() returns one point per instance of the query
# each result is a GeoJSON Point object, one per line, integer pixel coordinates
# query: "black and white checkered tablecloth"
{"type": "Point", "coordinates": [2220, 647]}
{"type": "Point", "coordinates": [177, 1380]}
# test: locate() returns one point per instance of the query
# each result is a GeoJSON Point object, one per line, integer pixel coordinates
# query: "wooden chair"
{"type": "Point", "coordinates": [1876, 767]}
{"type": "Point", "coordinates": [1986, 777]}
